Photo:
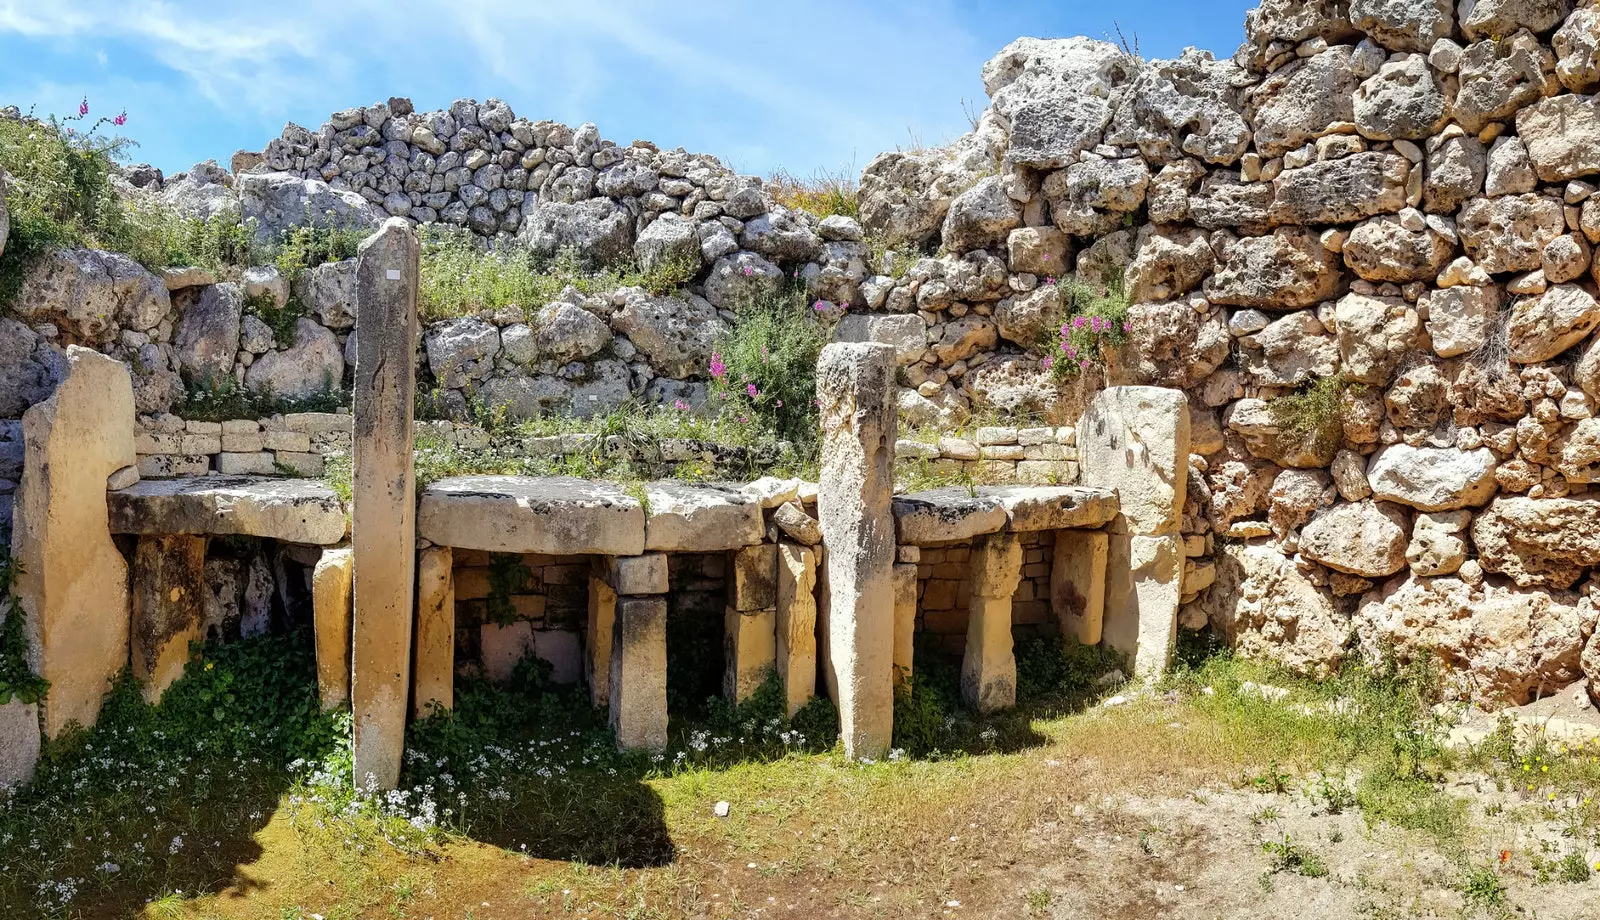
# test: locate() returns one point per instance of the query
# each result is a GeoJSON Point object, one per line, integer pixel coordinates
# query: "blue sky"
{"type": "Point", "coordinates": [765, 84]}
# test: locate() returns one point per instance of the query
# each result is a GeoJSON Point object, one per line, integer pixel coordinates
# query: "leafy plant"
{"type": "Point", "coordinates": [824, 194]}
{"type": "Point", "coordinates": [1093, 319]}
{"type": "Point", "coordinates": [17, 680]}
{"type": "Point", "coordinates": [508, 575]}
{"type": "Point", "coordinates": [764, 371]}
{"type": "Point", "coordinates": [220, 398]}
{"type": "Point", "coordinates": [1288, 856]}
{"type": "Point", "coordinates": [1313, 416]}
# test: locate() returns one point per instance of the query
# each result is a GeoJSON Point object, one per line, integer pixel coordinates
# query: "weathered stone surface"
{"type": "Point", "coordinates": [23, 381]}
{"type": "Point", "coordinates": [755, 577]}
{"type": "Point", "coordinates": [72, 583]}
{"type": "Point", "coordinates": [313, 365]}
{"type": "Point", "coordinates": [1078, 583]}
{"type": "Point", "coordinates": [1297, 102]}
{"type": "Point", "coordinates": [1264, 437]}
{"type": "Point", "coordinates": [563, 333]}
{"type": "Point", "coordinates": [1547, 324]}
{"type": "Point", "coordinates": [1375, 335]}
{"type": "Point", "coordinates": [1382, 249]}
{"type": "Point", "coordinates": [1501, 75]}
{"type": "Point", "coordinates": [434, 655]}
{"type": "Point", "coordinates": [980, 217]}
{"type": "Point", "coordinates": [1341, 191]}
{"type": "Point", "coordinates": [290, 510]}
{"type": "Point", "coordinates": [1143, 589]}
{"type": "Point", "coordinates": [1438, 545]}
{"type": "Point", "coordinates": [1539, 541]}
{"type": "Point", "coordinates": [638, 694]}
{"type": "Point", "coordinates": [1456, 170]}
{"type": "Point", "coordinates": [1577, 48]}
{"type": "Point", "coordinates": [461, 350]}
{"type": "Point", "coordinates": [598, 229]}
{"type": "Point", "coordinates": [677, 335]}
{"type": "Point", "coordinates": [1497, 643]}
{"type": "Point", "coordinates": [687, 518]}
{"type": "Point", "coordinates": [749, 651]}
{"type": "Point", "coordinates": [518, 514]}
{"type": "Point", "coordinates": [1509, 233]}
{"type": "Point", "coordinates": [1031, 508]}
{"type": "Point", "coordinates": [1055, 94]}
{"type": "Point", "coordinates": [797, 525]}
{"type": "Point", "coordinates": [277, 201]}
{"type": "Point", "coordinates": [1363, 538]}
{"type": "Point", "coordinates": [168, 609]}
{"type": "Point", "coordinates": [1403, 100]}
{"type": "Point", "coordinates": [1286, 270]}
{"type": "Point", "coordinates": [905, 620]}
{"type": "Point", "coordinates": [669, 241]}
{"type": "Point", "coordinates": [207, 335]}
{"type": "Point", "coordinates": [1404, 25]}
{"type": "Point", "coordinates": [1460, 317]}
{"type": "Point", "coordinates": [1290, 351]}
{"type": "Point", "coordinates": [1432, 478]}
{"type": "Point", "coordinates": [988, 667]}
{"type": "Point", "coordinates": [1495, 18]}
{"type": "Point", "coordinates": [331, 611]}
{"type": "Point", "coordinates": [1562, 135]}
{"type": "Point", "coordinates": [630, 575]}
{"type": "Point", "coordinates": [1136, 440]}
{"type": "Point", "coordinates": [1168, 344]}
{"type": "Point", "coordinates": [796, 624]}
{"type": "Point", "coordinates": [855, 386]}
{"type": "Point", "coordinates": [19, 726]}
{"type": "Point", "coordinates": [598, 636]}
{"type": "Point", "coordinates": [1266, 608]}
{"type": "Point", "coordinates": [950, 513]}
{"type": "Point", "coordinates": [907, 333]}
{"type": "Point", "coordinates": [384, 506]}
{"type": "Point", "coordinates": [90, 295]}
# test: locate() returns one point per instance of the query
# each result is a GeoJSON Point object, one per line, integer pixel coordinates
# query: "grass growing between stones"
{"type": "Point", "coordinates": [1228, 790]}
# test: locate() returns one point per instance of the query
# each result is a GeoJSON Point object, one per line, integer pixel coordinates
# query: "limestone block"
{"type": "Point", "coordinates": [73, 583]}
{"type": "Point", "coordinates": [797, 624]}
{"type": "Point", "coordinates": [638, 696]}
{"type": "Point", "coordinates": [1142, 595]}
{"type": "Point", "coordinates": [996, 564]}
{"type": "Point", "coordinates": [755, 577]}
{"type": "Point", "coordinates": [1136, 440]}
{"type": "Point", "coordinates": [288, 510]}
{"type": "Point", "coordinates": [855, 386]}
{"type": "Point", "coordinates": [330, 610]}
{"type": "Point", "coordinates": [169, 593]}
{"type": "Point", "coordinates": [1078, 583]}
{"type": "Point", "coordinates": [503, 646]}
{"type": "Point", "coordinates": [251, 464]}
{"type": "Point", "coordinates": [434, 659]}
{"type": "Point", "coordinates": [384, 506]}
{"type": "Point", "coordinates": [156, 466]}
{"type": "Point", "coordinates": [646, 574]}
{"type": "Point", "coordinates": [687, 518]}
{"type": "Point", "coordinates": [988, 667]}
{"type": "Point", "coordinates": [1030, 508]}
{"type": "Point", "coordinates": [749, 641]}
{"type": "Point", "coordinates": [562, 651]}
{"type": "Point", "coordinates": [555, 515]}
{"type": "Point", "coordinates": [19, 743]}
{"type": "Point", "coordinates": [941, 515]}
{"type": "Point", "coordinates": [905, 619]}
{"type": "Point", "coordinates": [597, 654]}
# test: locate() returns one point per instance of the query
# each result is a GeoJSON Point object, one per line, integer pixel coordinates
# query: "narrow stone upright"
{"type": "Point", "coordinates": [169, 601]}
{"type": "Point", "coordinates": [73, 582]}
{"type": "Point", "coordinates": [797, 624]}
{"type": "Point", "coordinates": [384, 506]}
{"type": "Point", "coordinates": [855, 388]}
{"type": "Point", "coordinates": [433, 666]}
{"type": "Point", "coordinates": [1078, 583]}
{"type": "Point", "coordinates": [988, 667]}
{"type": "Point", "coordinates": [1136, 440]}
{"type": "Point", "coordinates": [330, 610]}
{"type": "Point", "coordinates": [637, 690]}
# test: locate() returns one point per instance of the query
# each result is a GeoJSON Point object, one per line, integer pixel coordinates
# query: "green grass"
{"type": "Point", "coordinates": [223, 398]}
{"type": "Point", "coordinates": [824, 194]}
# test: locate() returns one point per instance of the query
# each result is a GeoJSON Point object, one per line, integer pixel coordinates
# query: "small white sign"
{"type": "Point", "coordinates": [394, 274]}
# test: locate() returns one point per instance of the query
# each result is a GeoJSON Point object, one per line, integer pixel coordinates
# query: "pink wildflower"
{"type": "Point", "coordinates": [1050, 279]}
{"type": "Point", "coordinates": [748, 271]}
{"type": "Point", "coordinates": [750, 388]}
{"type": "Point", "coordinates": [820, 306]}
{"type": "Point", "coordinates": [778, 404]}
{"type": "Point", "coordinates": [120, 120]}
{"type": "Point", "coordinates": [718, 369]}
{"type": "Point", "coordinates": [1047, 363]}
{"type": "Point", "coordinates": [680, 405]}
{"type": "Point", "coordinates": [1077, 322]}
{"type": "Point", "coordinates": [83, 107]}
{"type": "Point", "coordinates": [1083, 363]}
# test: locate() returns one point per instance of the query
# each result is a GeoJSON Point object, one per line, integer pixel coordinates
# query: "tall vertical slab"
{"type": "Point", "coordinates": [433, 665]}
{"type": "Point", "coordinates": [905, 619]}
{"type": "Point", "coordinates": [169, 601]}
{"type": "Point", "coordinates": [988, 665]}
{"type": "Point", "coordinates": [797, 624]}
{"type": "Point", "coordinates": [73, 583]}
{"type": "Point", "coordinates": [855, 389]}
{"type": "Point", "coordinates": [1136, 440]}
{"type": "Point", "coordinates": [639, 673]}
{"type": "Point", "coordinates": [1078, 583]}
{"type": "Point", "coordinates": [330, 611]}
{"type": "Point", "coordinates": [383, 513]}
{"type": "Point", "coordinates": [597, 655]}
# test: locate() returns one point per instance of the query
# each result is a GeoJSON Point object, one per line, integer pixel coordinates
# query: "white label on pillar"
{"type": "Point", "coordinates": [393, 274]}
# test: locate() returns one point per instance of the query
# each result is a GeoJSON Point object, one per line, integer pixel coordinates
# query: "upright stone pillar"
{"type": "Point", "coordinates": [988, 667]}
{"type": "Point", "coordinates": [1078, 583]}
{"type": "Point", "coordinates": [73, 583]}
{"type": "Point", "coordinates": [855, 387]}
{"type": "Point", "coordinates": [637, 696]}
{"type": "Point", "coordinates": [905, 619]}
{"type": "Point", "coordinates": [797, 624]}
{"type": "Point", "coordinates": [1136, 440]}
{"type": "Point", "coordinates": [169, 608]}
{"type": "Point", "coordinates": [383, 516]}
{"type": "Point", "coordinates": [433, 666]}
{"type": "Point", "coordinates": [597, 655]}
{"type": "Point", "coordinates": [750, 621]}
{"type": "Point", "coordinates": [330, 611]}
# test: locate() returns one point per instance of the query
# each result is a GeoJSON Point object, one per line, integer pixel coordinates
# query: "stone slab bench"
{"type": "Point", "coordinates": [958, 513]}
{"type": "Point", "coordinates": [560, 515]}
{"type": "Point", "coordinates": [290, 510]}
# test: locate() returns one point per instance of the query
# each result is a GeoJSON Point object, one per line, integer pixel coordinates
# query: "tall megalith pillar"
{"type": "Point", "coordinates": [855, 390]}
{"type": "Point", "coordinates": [383, 513]}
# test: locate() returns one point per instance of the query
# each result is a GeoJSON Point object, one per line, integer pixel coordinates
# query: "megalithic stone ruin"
{"type": "Point", "coordinates": [855, 389]}
{"type": "Point", "coordinates": [73, 583]}
{"type": "Point", "coordinates": [383, 512]}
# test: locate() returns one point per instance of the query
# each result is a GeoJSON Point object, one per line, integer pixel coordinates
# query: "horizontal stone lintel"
{"type": "Point", "coordinates": [290, 510]}
{"type": "Point", "coordinates": [958, 513]}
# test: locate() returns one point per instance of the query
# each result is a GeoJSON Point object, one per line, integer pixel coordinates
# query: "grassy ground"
{"type": "Point", "coordinates": [1217, 794]}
